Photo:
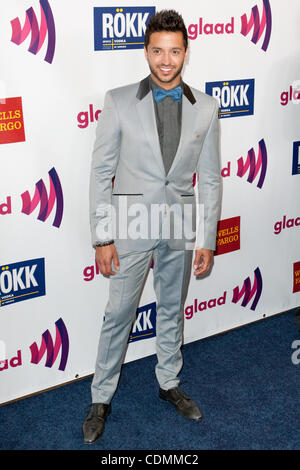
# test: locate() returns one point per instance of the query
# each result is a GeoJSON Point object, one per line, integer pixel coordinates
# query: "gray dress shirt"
{"type": "Point", "coordinates": [168, 114]}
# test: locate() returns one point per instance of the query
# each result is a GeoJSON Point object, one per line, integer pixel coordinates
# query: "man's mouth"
{"type": "Point", "coordinates": [165, 69]}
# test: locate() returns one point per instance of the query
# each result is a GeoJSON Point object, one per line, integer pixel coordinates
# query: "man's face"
{"type": "Point", "coordinates": [166, 55]}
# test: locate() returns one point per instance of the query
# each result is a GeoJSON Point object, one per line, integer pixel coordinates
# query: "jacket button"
{"type": "Point", "coordinates": [167, 182]}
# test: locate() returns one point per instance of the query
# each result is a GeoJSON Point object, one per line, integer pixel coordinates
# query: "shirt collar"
{"type": "Point", "coordinates": [144, 88]}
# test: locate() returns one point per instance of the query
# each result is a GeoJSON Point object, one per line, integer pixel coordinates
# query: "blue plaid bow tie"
{"type": "Point", "coordinates": [160, 94]}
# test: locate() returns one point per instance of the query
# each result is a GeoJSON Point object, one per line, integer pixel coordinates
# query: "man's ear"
{"type": "Point", "coordinates": [186, 55]}
{"type": "Point", "coordinates": [146, 52]}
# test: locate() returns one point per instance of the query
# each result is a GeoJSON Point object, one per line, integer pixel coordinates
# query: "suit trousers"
{"type": "Point", "coordinates": [171, 276]}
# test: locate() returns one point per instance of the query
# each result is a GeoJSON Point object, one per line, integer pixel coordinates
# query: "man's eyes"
{"type": "Point", "coordinates": [158, 51]}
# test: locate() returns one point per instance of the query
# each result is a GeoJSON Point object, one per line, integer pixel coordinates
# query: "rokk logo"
{"type": "Point", "coordinates": [120, 28]}
{"type": "Point", "coordinates": [38, 33]}
{"type": "Point", "coordinates": [296, 158]}
{"type": "Point", "coordinates": [11, 121]}
{"type": "Point", "coordinates": [145, 324]}
{"type": "Point", "coordinates": [261, 25]}
{"type": "Point", "coordinates": [22, 281]}
{"type": "Point", "coordinates": [255, 166]}
{"type": "Point", "coordinates": [246, 292]}
{"type": "Point", "coordinates": [236, 97]}
{"type": "Point", "coordinates": [61, 344]}
{"type": "Point", "coordinates": [46, 202]}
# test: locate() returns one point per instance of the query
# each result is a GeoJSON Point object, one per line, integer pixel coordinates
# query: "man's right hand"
{"type": "Point", "coordinates": [104, 257]}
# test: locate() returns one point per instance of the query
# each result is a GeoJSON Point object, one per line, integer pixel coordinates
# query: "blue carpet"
{"type": "Point", "coordinates": [244, 382]}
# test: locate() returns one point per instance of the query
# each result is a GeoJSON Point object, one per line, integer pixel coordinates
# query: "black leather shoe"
{"type": "Point", "coordinates": [94, 424]}
{"type": "Point", "coordinates": [184, 405]}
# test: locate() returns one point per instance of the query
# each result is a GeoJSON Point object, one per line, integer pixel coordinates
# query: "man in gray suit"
{"type": "Point", "coordinates": [152, 137]}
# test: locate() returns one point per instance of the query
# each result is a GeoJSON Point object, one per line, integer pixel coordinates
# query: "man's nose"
{"type": "Point", "coordinates": [166, 58]}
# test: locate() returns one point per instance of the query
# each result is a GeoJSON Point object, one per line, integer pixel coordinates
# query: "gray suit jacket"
{"type": "Point", "coordinates": [143, 204]}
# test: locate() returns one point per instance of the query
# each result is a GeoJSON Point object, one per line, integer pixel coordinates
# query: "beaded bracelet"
{"type": "Point", "coordinates": [110, 242]}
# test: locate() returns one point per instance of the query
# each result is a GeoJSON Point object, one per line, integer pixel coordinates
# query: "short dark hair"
{"type": "Point", "coordinates": [166, 20]}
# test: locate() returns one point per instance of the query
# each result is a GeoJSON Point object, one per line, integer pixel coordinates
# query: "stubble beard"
{"type": "Point", "coordinates": [169, 80]}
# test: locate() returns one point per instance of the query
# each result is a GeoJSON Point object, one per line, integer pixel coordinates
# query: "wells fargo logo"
{"type": "Point", "coordinates": [38, 33]}
{"type": "Point", "coordinates": [296, 286]}
{"type": "Point", "coordinates": [228, 235]}
{"type": "Point", "coordinates": [11, 121]}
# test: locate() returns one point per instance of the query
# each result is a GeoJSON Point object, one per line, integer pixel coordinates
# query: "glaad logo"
{"type": "Point", "coordinates": [120, 28]}
{"type": "Point", "coordinates": [61, 343]}
{"type": "Point", "coordinates": [296, 158]}
{"type": "Point", "coordinates": [84, 118]}
{"type": "Point", "coordinates": [254, 166]}
{"type": "Point", "coordinates": [292, 95]}
{"type": "Point", "coordinates": [236, 97]}
{"type": "Point", "coordinates": [145, 323]}
{"type": "Point", "coordinates": [259, 25]}
{"type": "Point", "coordinates": [247, 292]}
{"type": "Point", "coordinates": [46, 202]}
{"type": "Point", "coordinates": [286, 223]}
{"type": "Point", "coordinates": [22, 281]}
{"type": "Point", "coordinates": [38, 33]}
{"type": "Point", "coordinates": [15, 361]}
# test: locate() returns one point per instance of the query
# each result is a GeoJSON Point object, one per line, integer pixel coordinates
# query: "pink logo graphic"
{"type": "Point", "coordinates": [38, 34]}
{"type": "Point", "coordinates": [46, 203]}
{"type": "Point", "coordinates": [254, 166]}
{"type": "Point", "coordinates": [259, 25]}
{"type": "Point", "coordinates": [247, 292]}
{"type": "Point", "coordinates": [61, 343]}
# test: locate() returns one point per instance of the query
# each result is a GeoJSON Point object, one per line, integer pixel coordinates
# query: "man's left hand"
{"type": "Point", "coordinates": [203, 261]}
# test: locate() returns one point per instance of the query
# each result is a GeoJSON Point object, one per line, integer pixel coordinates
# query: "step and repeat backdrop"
{"type": "Point", "coordinates": [57, 60]}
